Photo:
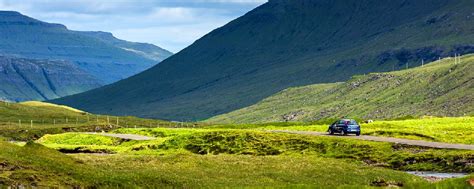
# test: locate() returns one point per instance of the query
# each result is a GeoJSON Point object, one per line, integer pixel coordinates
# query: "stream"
{"type": "Point", "coordinates": [436, 176]}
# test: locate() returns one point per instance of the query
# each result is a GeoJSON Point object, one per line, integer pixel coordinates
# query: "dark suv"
{"type": "Point", "coordinates": [344, 126]}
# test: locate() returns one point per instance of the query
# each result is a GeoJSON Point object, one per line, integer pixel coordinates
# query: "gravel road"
{"type": "Point", "coordinates": [387, 139]}
{"type": "Point", "coordinates": [361, 137]}
{"type": "Point", "coordinates": [125, 136]}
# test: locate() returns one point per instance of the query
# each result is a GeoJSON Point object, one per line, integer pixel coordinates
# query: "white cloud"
{"type": "Point", "coordinates": [171, 24]}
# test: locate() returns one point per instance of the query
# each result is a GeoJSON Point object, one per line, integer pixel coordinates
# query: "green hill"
{"type": "Point", "coordinates": [284, 44]}
{"type": "Point", "coordinates": [36, 111]}
{"type": "Point", "coordinates": [49, 105]}
{"type": "Point", "coordinates": [31, 120]}
{"type": "Point", "coordinates": [441, 88]}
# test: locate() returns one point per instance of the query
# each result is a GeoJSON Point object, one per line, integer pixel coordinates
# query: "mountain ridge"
{"type": "Point", "coordinates": [84, 60]}
{"type": "Point", "coordinates": [27, 37]}
{"type": "Point", "coordinates": [283, 44]}
{"type": "Point", "coordinates": [147, 50]}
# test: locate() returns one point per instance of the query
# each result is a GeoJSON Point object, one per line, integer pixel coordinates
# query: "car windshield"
{"type": "Point", "coordinates": [348, 122]}
{"type": "Point", "coordinates": [352, 122]}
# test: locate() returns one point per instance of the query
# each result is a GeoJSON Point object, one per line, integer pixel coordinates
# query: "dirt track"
{"type": "Point", "coordinates": [387, 139]}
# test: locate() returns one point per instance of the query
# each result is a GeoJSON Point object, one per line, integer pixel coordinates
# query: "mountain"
{"type": "Point", "coordinates": [146, 50]}
{"type": "Point", "coordinates": [283, 44]}
{"type": "Point", "coordinates": [24, 79]}
{"type": "Point", "coordinates": [108, 61]}
{"type": "Point", "coordinates": [442, 88]}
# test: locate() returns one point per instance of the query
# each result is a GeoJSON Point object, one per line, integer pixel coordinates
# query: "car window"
{"type": "Point", "coordinates": [347, 122]}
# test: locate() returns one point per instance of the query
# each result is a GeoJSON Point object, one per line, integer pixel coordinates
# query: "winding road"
{"type": "Point", "coordinates": [422, 143]}
{"type": "Point", "coordinates": [387, 139]}
{"type": "Point", "coordinates": [124, 136]}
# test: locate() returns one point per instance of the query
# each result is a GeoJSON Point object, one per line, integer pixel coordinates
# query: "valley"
{"type": "Point", "coordinates": [280, 94]}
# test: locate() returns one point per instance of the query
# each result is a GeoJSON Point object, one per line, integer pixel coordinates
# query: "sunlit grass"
{"type": "Point", "coordinates": [447, 129]}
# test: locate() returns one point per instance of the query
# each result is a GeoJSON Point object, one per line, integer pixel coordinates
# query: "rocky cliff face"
{"type": "Point", "coordinates": [29, 79]}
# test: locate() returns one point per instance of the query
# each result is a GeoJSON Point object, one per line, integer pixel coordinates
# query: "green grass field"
{"type": "Point", "coordinates": [243, 155]}
{"type": "Point", "coordinates": [260, 143]}
{"type": "Point", "coordinates": [447, 129]}
{"type": "Point", "coordinates": [31, 120]}
{"type": "Point", "coordinates": [223, 158]}
{"type": "Point", "coordinates": [47, 168]}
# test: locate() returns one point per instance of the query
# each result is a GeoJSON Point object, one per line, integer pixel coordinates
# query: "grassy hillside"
{"type": "Point", "coordinates": [441, 88]}
{"type": "Point", "coordinates": [49, 105]}
{"type": "Point", "coordinates": [31, 120]}
{"type": "Point", "coordinates": [284, 44]}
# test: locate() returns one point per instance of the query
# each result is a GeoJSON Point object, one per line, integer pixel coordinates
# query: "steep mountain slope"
{"type": "Point", "coordinates": [25, 79]}
{"type": "Point", "coordinates": [442, 88]}
{"type": "Point", "coordinates": [24, 36]}
{"type": "Point", "coordinates": [146, 50]}
{"type": "Point", "coordinates": [283, 44]}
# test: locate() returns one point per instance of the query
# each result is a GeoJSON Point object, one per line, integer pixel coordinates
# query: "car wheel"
{"type": "Point", "coordinates": [358, 134]}
{"type": "Point", "coordinates": [331, 132]}
{"type": "Point", "coordinates": [343, 132]}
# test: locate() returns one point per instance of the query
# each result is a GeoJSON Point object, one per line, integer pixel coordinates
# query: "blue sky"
{"type": "Point", "coordinates": [171, 24]}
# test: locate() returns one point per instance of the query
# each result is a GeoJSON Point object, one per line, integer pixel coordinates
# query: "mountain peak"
{"type": "Point", "coordinates": [16, 18]}
{"type": "Point", "coordinates": [10, 13]}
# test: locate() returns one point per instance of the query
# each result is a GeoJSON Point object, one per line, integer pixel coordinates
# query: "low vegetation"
{"type": "Point", "coordinates": [31, 120]}
{"type": "Point", "coordinates": [35, 165]}
{"type": "Point", "coordinates": [234, 159]}
{"type": "Point", "coordinates": [222, 155]}
{"type": "Point", "coordinates": [447, 129]}
{"type": "Point", "coordinates": [260, 143]}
